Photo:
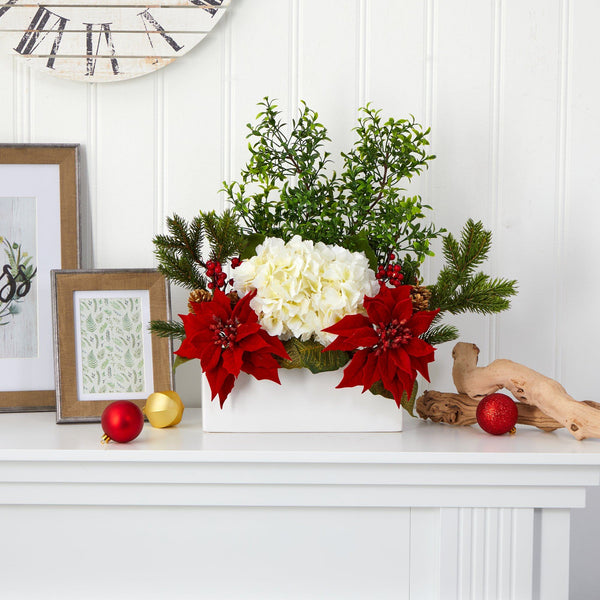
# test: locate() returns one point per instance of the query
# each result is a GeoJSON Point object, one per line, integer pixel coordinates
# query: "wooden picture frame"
{"type": "Point", "coordinates": [39, 200]}
{"type": "Point", "coordinates": [103, 347]}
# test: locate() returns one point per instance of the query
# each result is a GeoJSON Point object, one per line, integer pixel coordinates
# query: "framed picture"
{"type": "Point", "coordinates": [39, 231]}
{"type": "Point", "coordinates": [103, 346]}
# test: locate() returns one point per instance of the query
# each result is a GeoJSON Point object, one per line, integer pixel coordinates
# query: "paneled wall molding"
{"type": "Point", "coordinates": [495, 136]}
{"type": "Point", "coordinates": [562, 162]}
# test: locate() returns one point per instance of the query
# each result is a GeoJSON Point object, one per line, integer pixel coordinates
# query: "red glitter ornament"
{"type": "Point", "coordinates": [122, 421]}
{"type": "Point", "coordinates": [497, 414]}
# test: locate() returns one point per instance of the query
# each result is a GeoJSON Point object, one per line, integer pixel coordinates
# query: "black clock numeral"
{"type": "Point", "coordinates": [148, 19]}
{"type": "Point", "coordinates": [7, 6]}
{"type": "Point", "coordinates": [37, 33]}
{"type": "Point", "coordinates": [92, 55]}
{"type": "Point", "coordinates": [211, 11]}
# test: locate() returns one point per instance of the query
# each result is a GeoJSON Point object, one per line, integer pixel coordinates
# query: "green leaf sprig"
{"type": "Point", "coordinates": [287, 187]}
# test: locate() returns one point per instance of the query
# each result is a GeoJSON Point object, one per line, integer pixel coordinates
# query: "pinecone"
{"type": "Point", "coordinates": [233, 298]}
{"type": "Point", "coordinates": [198, 296]}
{"type": "Point", "coordinates": [420, 297]}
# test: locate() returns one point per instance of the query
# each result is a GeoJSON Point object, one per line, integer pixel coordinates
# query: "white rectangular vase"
{"type": "Point", "coordinates": [303, 402]}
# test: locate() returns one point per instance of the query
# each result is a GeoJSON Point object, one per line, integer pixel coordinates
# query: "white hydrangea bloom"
{"type": "Point", "coordinates": [303, 287]}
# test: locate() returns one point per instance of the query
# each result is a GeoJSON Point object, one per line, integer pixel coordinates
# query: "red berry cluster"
{"type": "Point", "coordinates": [392, 273]}
{"type": "Point", "coordinates": [218, 278]}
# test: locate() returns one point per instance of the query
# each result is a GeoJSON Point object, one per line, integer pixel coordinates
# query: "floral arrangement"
{"type": "Point", "coordinates": [313, 269]}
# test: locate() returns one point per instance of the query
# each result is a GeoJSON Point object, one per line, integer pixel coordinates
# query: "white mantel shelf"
{"type": "Point", "coordinates": [432, 512]}
{"type": "Point", "coordinates": [35, 436]}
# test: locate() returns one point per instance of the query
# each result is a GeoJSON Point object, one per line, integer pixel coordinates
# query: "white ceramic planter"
{"type": "Point", "coordinates": [303, 402]}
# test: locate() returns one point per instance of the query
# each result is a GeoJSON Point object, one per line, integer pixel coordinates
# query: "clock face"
{"type": "Point", "coordinates": [106, 40]}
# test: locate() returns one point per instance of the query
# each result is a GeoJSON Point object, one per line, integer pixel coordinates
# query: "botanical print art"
{"type": "Point", "coordinates": [18, 289]}
{"type": "Point", "coordinates": [112, 345]}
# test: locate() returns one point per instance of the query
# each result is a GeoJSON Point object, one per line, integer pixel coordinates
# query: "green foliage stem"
{"type": "Point", "coordinates": [287, 189]}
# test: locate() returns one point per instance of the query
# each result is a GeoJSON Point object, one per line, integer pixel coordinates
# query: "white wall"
{"type": "Point", "coordinates": [509, 87]}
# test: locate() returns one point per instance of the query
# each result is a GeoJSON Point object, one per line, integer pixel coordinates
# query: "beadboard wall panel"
{"type": "Point", "coordinates": [257, 70]}
{"type": "Point", "coordinates": [330, 65]}
{"type": "Point", "coordinates": [578, 324]}
{"type": "Point", "coordinates": [507, 87]}
{"type": "Point", "coordinates": [462, 136]}
{"type": "Point", "coordinates": [394, 65]}
{"type": "Point", "coordinates": [126, 139]}
{"type": "Point", "coordinates": [529, 109]}
{"type": "Point", "coordinates": [8, 93]}
{"type": "Point", "coordinates": [191, 129]}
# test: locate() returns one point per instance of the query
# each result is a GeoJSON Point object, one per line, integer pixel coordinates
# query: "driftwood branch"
{"type": "Point", "coordinates": [581, 419]}
{"type": "Point", "coordinates": [459, 409]}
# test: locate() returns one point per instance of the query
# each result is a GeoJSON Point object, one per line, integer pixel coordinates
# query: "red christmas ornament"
{"type": "Point", "coordinates": [122, 421]}
{"type": "Point", "coordinates": [497, 414]}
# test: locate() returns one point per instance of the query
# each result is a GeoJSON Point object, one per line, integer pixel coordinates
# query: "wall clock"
{"type": "Point", "coordinates": [106, 40]}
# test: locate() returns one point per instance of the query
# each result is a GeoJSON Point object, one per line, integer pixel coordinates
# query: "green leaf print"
{"type": "Point", "coordinates": [112, 342]}
{"type": "Point", "coordinates": [128, 359]}
{"type": "Point", "coordinates": [90, 324]}
{"type": "Point", "coordinates": [92, 361]}
{"type": "Point", "coordinates": [127, 324]}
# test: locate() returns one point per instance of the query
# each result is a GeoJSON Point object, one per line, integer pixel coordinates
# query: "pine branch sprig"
{"type": "Point", "coordinates": [223, 234]}
{"type": "Point", "coordinates": [464, 257]}
{"type": "Point", "coordinates": [458, 288]}
{"type": "Point", "coordinates": [475, 245]}
{"type": "Point", "coordinates": [168, 329]}
{"type": "Point", "coordinates": [438, 334]}
{"type": "Point", "coordinates": [481, 294]}
{"type": "Point", "coordinates": [180, 270]}
{"type": "Point", "coordinates": [179, 254]}
{"type": "Point", "coordinates": [187, 238]}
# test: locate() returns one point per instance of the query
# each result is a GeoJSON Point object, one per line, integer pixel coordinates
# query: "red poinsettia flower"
{"type": "Point", "coordinates": [387, 343]}
{"type": "Point", "coordinates": [228, 341]}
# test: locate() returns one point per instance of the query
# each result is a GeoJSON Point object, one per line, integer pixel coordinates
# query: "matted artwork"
{"type": "Point", "coordinates": [114, 345]}
{"type": "Point", "coordinates": [18, 268]}
{"type": "Point", "coordinates": [39, 231]}
{"type": "Point", "coordinates": [104, 348]}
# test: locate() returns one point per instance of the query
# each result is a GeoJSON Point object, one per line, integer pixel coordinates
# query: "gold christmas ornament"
{"type": "Point", "coordinates": [164, 409]}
